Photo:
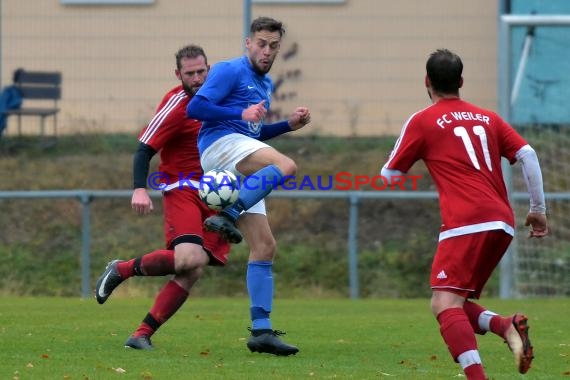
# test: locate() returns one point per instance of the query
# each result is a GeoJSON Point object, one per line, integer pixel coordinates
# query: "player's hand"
{"type": "Point", "coordinates": [141, 202]}
{"type": "Point", "coordinates": [537, 223]}
{"type": "Point", "coordinates": [299, 118]}
{"type": "Point", "coordinates": [254, 113]}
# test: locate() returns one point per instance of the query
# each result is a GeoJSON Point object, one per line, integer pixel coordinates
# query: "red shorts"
{"type": "Point", "coordinates": [184, 215]}
{"type": "Point", "coordinates": [463, 264]}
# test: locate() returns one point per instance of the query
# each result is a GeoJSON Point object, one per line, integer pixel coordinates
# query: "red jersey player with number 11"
{"type": "Point", "coordinates": [462, 145]}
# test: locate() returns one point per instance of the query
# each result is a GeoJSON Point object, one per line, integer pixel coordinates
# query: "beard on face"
{"type": "Point", "coordinates": [261, 71]}
{"type": "Point", "coordinates": [190, 90]}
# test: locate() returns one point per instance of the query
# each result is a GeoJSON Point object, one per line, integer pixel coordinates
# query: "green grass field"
{"type": "Point", "coordinates": [67, 338]}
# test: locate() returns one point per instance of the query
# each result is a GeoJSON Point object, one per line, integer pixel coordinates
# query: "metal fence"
{"type": "Point", "coordinates": [353, 198]}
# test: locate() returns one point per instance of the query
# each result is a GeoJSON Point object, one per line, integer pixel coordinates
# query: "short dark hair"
{"type": "Point", "coordinates": [444, 70]}
{"type": "Point", "coordinates": [189, 51]}
{"type": "Point", "coordinates": [268, 24]}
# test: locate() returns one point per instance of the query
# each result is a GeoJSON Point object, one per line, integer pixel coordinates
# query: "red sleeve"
{"type": "Point", "coordinates": [409, 147]}
{"type": "Point", "coordinates": [509, 140]}
{"type": "Point", "coordinates": [165, 121]}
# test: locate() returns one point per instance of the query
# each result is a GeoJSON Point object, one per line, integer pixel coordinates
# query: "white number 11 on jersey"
{"type": "Point", "coordinates": [478, 130]}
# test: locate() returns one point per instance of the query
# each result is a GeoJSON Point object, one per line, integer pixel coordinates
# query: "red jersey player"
{"type": "Point", "coordinates": [462, 145]}
{"type": "Point", "coordinates": [188, 247]}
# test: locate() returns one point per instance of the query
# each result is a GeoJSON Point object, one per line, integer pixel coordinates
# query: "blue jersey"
{"type": "Point", "coordinates": [234, 84]}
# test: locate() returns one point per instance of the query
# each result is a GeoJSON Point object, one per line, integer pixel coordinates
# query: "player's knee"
{"type": "Point", "coordinates": [190, 258]}
{"type": "Point", "coordinates": [263, 249]}
{"type": "Point", "coordinates": [188, 278]}
{"type": "Point", "coordinates": [195, 273]}
{"type": "Point", "coordinates": [443, 300]}
{"type": "Point", "coordinates": [435, 308]}
{"type": "Point", "coordinates": [288, 167]}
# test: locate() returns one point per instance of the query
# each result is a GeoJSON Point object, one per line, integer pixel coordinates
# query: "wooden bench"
{"type": "Point", "coordinates": [37, 86]}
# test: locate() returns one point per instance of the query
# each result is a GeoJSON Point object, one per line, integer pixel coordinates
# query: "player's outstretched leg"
{"type": "Point", "coordinates": [261, 183]}
{"type": "Point", "coordinates": [519, 343]}
{"type": "Point", "coordinates": [108, 281]}
{"type": "Point", "coordinates": [139, 343]}
{"type": "Point", "coordinates": [168, 300]}
{"type": "Point", "coordinates": [268, 341]}
{"type": "Point", "coordinates": [224, 226]}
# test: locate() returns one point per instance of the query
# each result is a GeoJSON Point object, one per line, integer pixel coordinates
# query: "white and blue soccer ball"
{"type": "Point", "coordinates": [219, 189]}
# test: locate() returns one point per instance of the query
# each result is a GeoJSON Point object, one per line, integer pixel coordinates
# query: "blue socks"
{"type": "Point", "coordinates": [259, 277]}
{"type": "Point", "coordinates": [254, 188]}
{"type": "Point", "coordinates": [259, 280]}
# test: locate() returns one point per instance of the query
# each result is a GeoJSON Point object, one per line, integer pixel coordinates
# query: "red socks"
{"type": "Point", "coordinates": [458, 328]}
{"type": "Point", "coordinates": [170, 298]}
{"type": "Point", "coordinates": [475, 372]}
{"type": "Point", "coordinates": [473, 310]}
{"type": "Point", "coordinates": [500, 325]}
{"type": "Point", "coordinates": [155, 263]}
{"type": "Point", "coordinates": [495, 323]}
{"type": "Point", "coordinates": [459, 336]}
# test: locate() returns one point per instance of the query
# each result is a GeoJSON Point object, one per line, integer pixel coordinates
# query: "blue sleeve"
{"type": "Point", "coordinates": [204, 110]}
{"type": "Point", "coordinates": [269, 131]}
{"type": "Point", "coordinates": [209, 103]}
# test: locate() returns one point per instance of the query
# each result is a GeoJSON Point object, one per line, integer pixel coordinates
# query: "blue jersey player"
{"type": "Point", "coordinates": [232, 104]}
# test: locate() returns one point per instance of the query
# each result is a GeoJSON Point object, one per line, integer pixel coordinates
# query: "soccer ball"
{"type": "Point", "coordinates": [218, 189]}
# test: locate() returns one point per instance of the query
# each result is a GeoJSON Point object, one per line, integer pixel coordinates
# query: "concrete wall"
{"type": "Point", "coordinates": [358, 65]}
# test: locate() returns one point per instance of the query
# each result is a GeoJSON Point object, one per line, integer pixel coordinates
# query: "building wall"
{"type": "Point", "coordinates": [358, 65]}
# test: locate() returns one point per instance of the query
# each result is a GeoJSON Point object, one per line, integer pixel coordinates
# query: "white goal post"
{"type": "Point", "coordinates": [551, 265]}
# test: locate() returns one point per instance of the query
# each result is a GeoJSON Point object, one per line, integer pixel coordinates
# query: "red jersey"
{"type": "Point", "coordinates": [462, 145]}
{"type": "Point", "coordinates": [175, 136]}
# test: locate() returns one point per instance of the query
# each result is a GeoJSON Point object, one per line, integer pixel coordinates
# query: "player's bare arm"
{"type": "Point", "coordinates": [141, 202]}
{"type": "Point", "coordinates": [299, 118]}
